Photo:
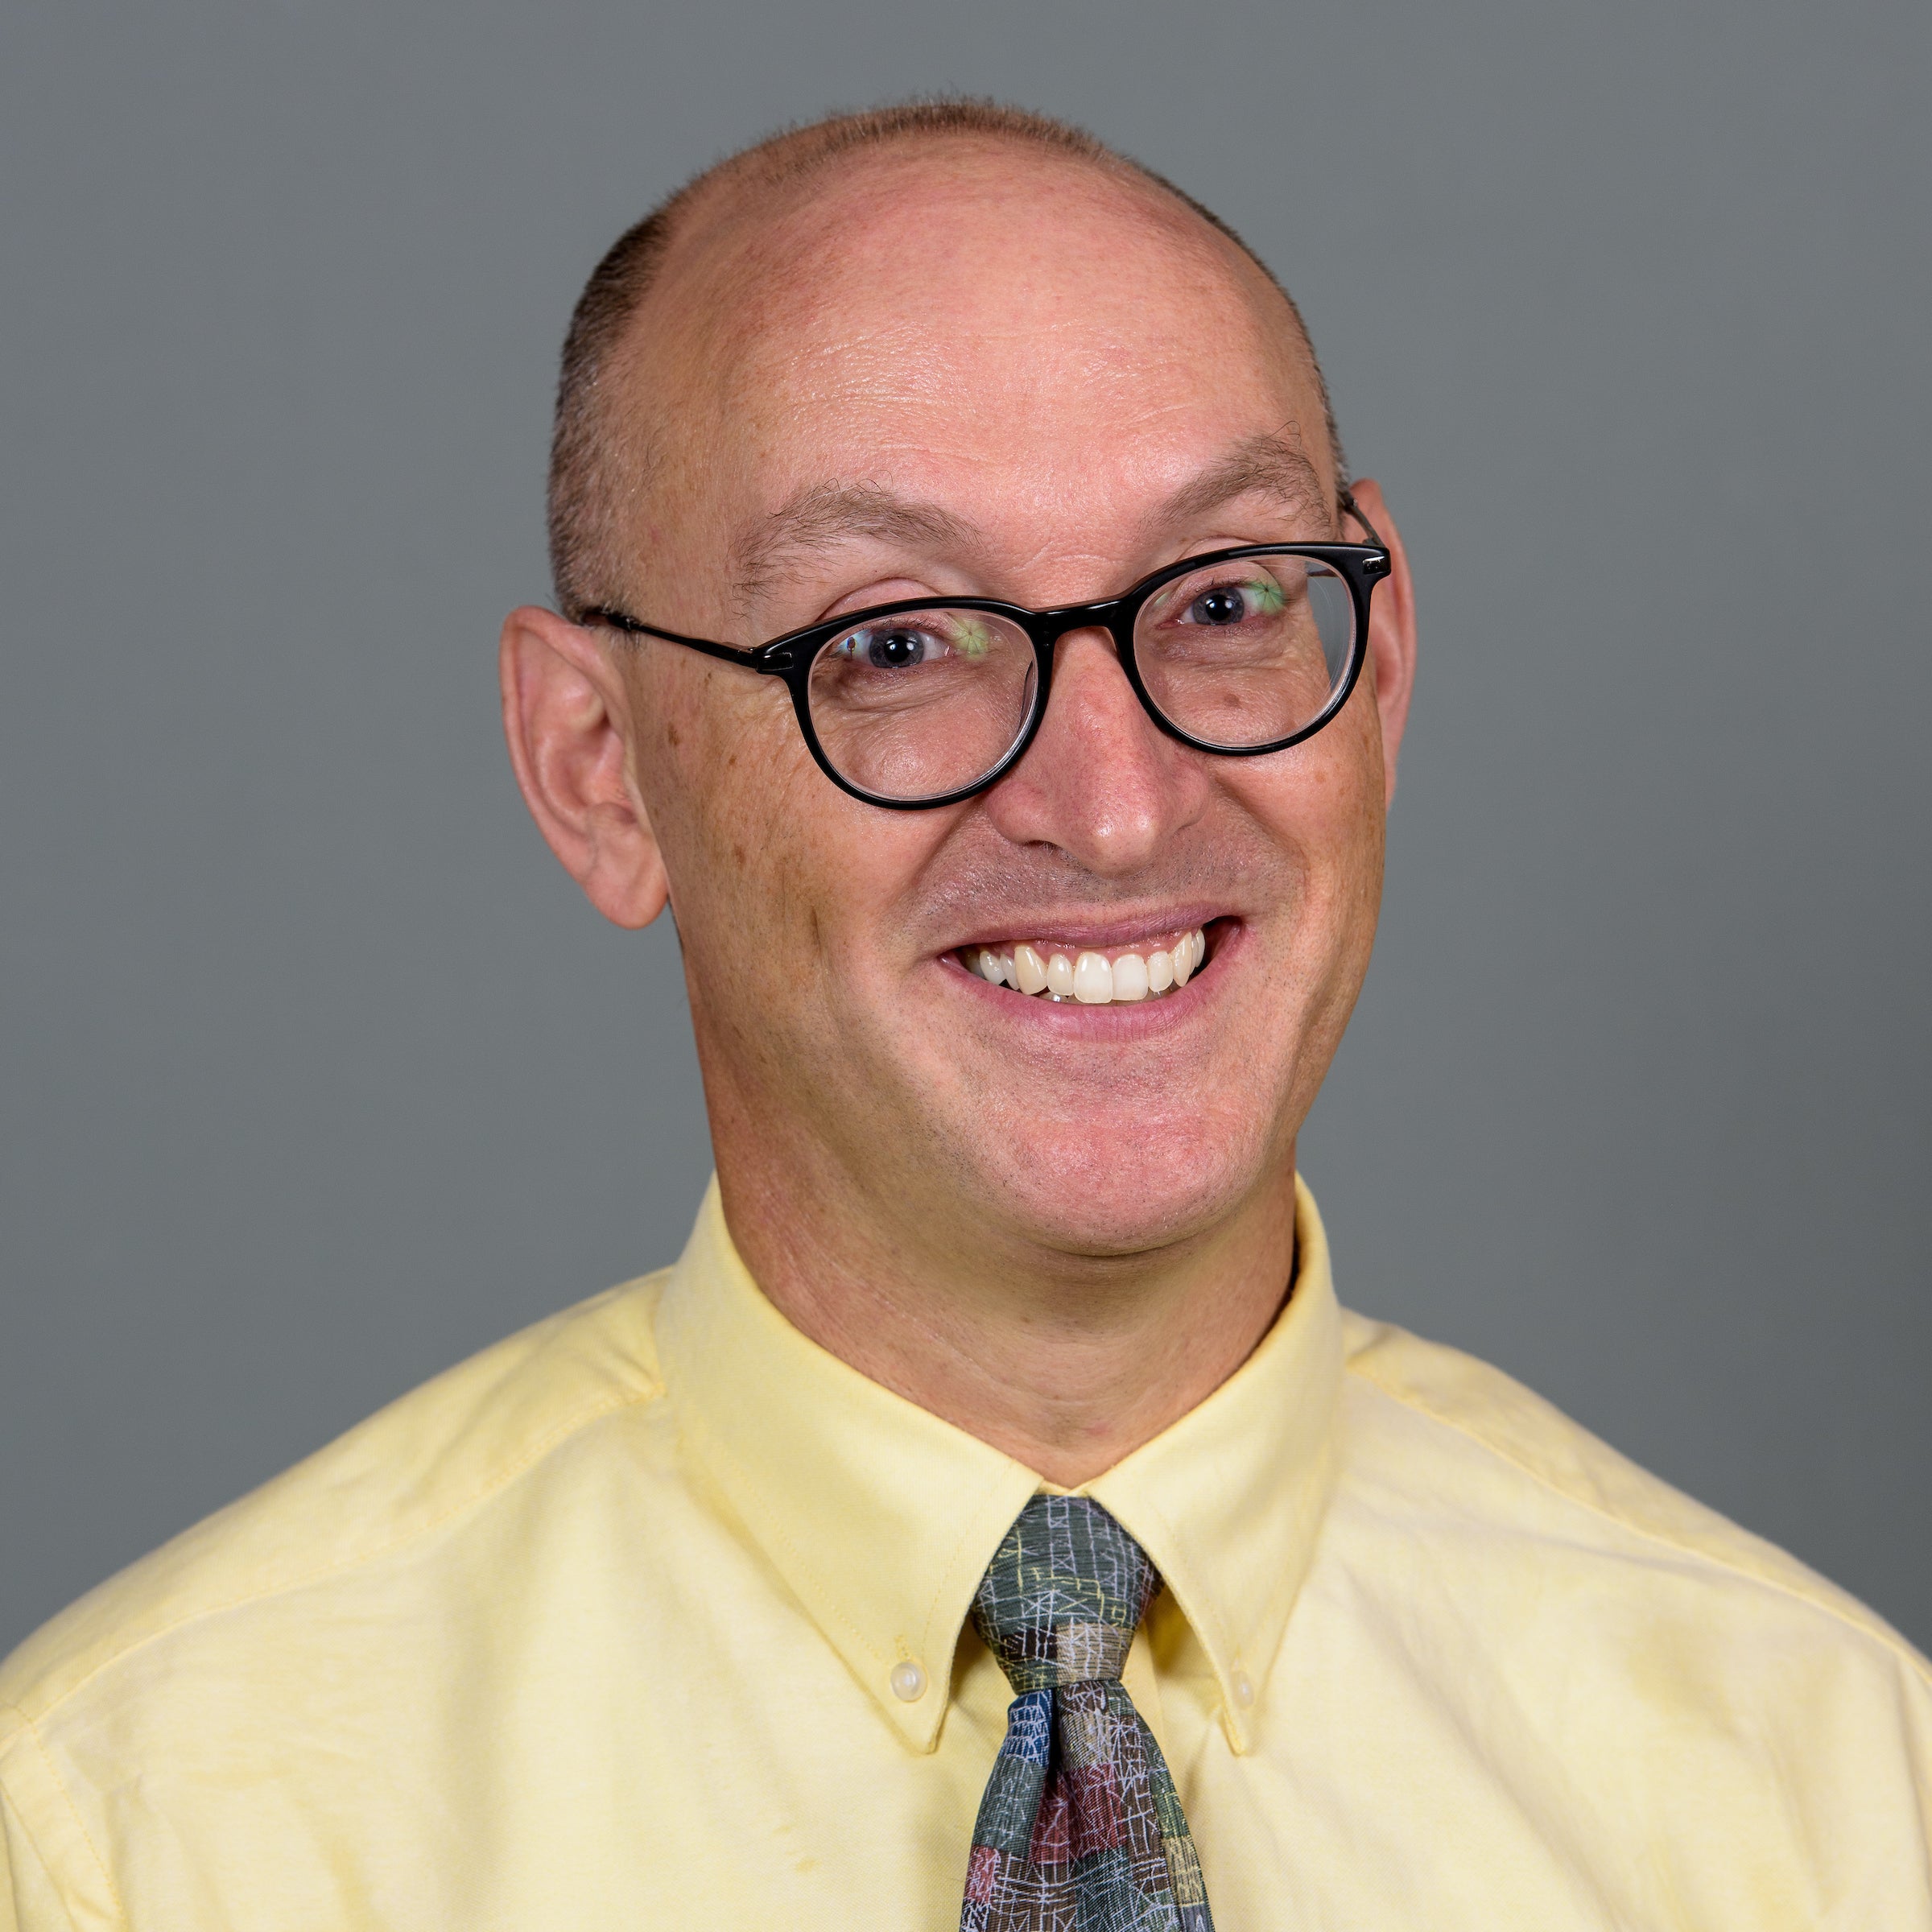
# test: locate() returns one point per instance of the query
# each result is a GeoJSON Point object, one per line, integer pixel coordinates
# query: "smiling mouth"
{"type": "Point", "coordinates": [1120, 976]}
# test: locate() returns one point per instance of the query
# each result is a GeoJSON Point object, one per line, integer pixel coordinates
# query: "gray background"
{"type": "Point", "coordinates": [315, 1072]}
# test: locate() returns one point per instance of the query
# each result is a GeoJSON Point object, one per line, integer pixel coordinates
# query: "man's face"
{"type": "Point", "coordinates": [975, 373]}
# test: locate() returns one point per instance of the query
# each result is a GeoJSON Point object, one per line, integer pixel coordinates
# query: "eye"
{"type": "Point", "coordinates": [1222, 606]}
{"type": "Point", "coordinates": [889, 647]}
{"type": "Point", "coordinates": [1226, 603]}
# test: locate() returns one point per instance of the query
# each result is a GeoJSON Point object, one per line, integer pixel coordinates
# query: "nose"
{"type": "Point", "coordinates": [1101, 781]}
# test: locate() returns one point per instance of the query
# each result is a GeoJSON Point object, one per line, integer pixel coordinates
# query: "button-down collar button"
{"type": "Point", "coordinates": [908, 1681]}
{"type": "Point", "coordinates": [1244, 1691]}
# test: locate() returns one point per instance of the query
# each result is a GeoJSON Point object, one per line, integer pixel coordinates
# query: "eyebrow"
{"type": "Point", "coordinates": [1258, 466]}
{"type": "Point", "coordinates": [817, 518]}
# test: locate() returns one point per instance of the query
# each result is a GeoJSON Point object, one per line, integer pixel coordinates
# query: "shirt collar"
{"type": "Point", "coordinates": [881, 1518]}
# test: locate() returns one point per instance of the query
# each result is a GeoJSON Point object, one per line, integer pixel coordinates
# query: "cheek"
{"type": "Point", "coordinates": [711, 765]}
{"type": "Point", "coordinates": [1343, 814]}
{"type": "Point", "coordinates": [1320, 809]}
{"type": "Point", "coordinates": [744, 875]}
{"type": "Point", "coordinates": [1323, 802]}
{"type": "Point", "coordinates": [783, 885]}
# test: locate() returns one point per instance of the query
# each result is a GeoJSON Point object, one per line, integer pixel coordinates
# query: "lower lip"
{"type": "Point", "coordinates": [1118, 1020]}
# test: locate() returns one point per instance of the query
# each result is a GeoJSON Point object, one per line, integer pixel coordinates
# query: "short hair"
{"type": "Point", "coordinates": [584, 492]}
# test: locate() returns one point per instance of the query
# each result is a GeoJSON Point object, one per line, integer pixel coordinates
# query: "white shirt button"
{"type": "Point", "coordinates": [1244, 1691]}
{"type": "Point", "coordinates": [908, 1681]}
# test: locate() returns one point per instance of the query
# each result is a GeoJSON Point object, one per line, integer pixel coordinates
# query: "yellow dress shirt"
{"type": "Point", "coordinates": [654, 1616]}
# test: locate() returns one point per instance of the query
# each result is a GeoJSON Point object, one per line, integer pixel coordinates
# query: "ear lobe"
{"type": "Point", "coordinates": [1391, 631]}
{"type": "Point", "coordinates": [567, 719]}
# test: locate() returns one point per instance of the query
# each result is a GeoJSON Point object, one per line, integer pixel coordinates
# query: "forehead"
{"type": "Point", "coordinates": [1025, 329]}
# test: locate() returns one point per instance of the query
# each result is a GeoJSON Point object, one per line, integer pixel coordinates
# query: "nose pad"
{"type": "Point", "coordinates": [1057, 662]}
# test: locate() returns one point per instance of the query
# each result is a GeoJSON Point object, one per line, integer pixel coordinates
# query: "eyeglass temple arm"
{"type": "Point", "coordinates": [632, 627]}
{"type": "Point", "coordinates": [1346, 502]}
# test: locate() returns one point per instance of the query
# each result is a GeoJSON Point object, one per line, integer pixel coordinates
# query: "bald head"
{"type": "Point", "coordinates": [720, 276]}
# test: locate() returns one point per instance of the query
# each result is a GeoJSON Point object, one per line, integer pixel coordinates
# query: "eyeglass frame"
{"type": "Point", "coordinates": [791, 657]}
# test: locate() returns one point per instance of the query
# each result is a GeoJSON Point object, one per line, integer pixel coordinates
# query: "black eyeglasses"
{"type": "Point", "coordinates": [922, 703]}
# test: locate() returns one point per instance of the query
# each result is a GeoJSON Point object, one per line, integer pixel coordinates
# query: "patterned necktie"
{"type": "Point", "coordinates": [1080, 1829]}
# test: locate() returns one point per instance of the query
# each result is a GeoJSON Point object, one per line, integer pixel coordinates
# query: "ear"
{"type": "Point", "coordinates": [567, 716]}
{"type": "Point", "coordinates": [1391, 628]}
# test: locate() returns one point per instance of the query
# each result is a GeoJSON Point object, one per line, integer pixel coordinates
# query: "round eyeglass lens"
{"type": "Point", "coordinates": [1247, 652]}
{"type": "Point", "coordinates": [922, 703]}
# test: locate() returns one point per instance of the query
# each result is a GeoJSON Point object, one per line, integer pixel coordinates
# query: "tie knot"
{"type": "Point", "coordinates": [1062, 1598]}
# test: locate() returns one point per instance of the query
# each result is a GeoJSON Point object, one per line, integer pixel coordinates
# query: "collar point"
{"type": "Point", "coordinates": [924, 1738]}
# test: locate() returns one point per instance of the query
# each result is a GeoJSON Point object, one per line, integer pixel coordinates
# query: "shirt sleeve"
{"type": "Point", "coordinates": [28, 1900]}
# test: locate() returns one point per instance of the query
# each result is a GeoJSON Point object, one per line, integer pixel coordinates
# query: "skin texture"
{"type": "Point", "coordinates": [1060, 1227]}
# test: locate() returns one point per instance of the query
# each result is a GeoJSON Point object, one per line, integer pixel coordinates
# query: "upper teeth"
{"type": "Point", "coordinates": [1092, 978]}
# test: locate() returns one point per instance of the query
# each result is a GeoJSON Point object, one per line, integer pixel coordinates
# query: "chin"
{"type": "Point", "coordinates": [1110, 1192]}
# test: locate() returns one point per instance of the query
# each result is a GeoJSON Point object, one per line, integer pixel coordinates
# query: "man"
{"type": "Point", "coordinates": [968, 628]}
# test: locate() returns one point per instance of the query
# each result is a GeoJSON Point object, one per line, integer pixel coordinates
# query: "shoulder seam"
{"type": "Point", "coordinates": [1878, 1630]}
{"type": "Point", "coordinates": [537, 1450]}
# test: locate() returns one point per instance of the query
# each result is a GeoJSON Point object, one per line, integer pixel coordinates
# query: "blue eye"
{"type": "Point", "coordinates": [1225, 605]}
{"type": "Point", "coordinates": [889, 647]}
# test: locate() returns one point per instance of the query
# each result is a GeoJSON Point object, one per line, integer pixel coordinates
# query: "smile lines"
{"type": "Point", "coordinates": [1094, 978]}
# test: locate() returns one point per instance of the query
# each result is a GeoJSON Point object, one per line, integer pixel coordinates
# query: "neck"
{"type": "Point", "coordinates": [1065, 1362]}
